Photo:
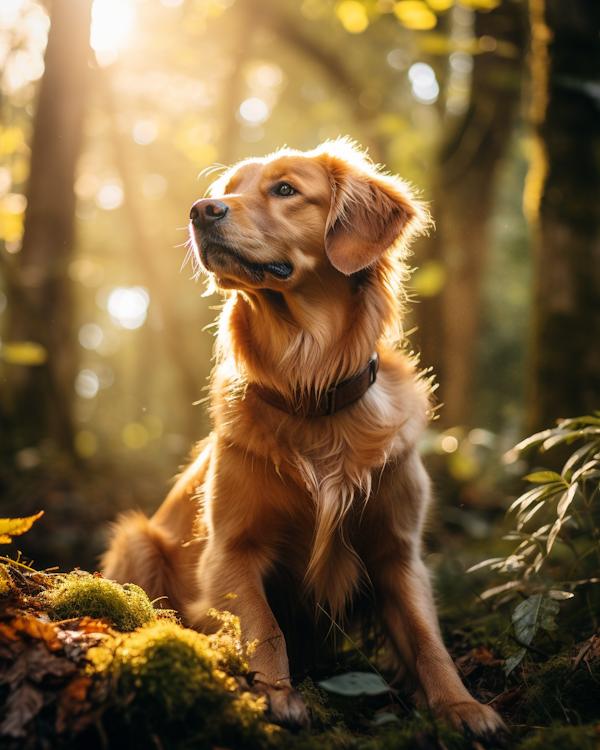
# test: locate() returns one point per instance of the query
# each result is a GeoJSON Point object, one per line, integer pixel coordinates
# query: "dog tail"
{"type": "Point", "coordinates": [142, 553]}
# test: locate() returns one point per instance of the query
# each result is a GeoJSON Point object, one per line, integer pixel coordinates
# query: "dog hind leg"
{"type": "Point", "coordinates": [141, 553]}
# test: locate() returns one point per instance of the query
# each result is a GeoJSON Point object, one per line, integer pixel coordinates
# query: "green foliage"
{"type": "Point", "coordinates": [537, 611]}
{"type": "Point", "coordinates": [556, 692]}
{"type": "Point", "coordinates": [557, 530]}
{"type": "Point", "coordinates": [80, 594]}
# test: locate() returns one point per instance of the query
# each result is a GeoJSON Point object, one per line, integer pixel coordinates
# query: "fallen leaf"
{"type": "Point", "coordinates": [10, 527]}
{"type": "Point", "coordinates": [35, 628]}
{"type": "Point", "coordinates": [21, 706]}
{"type": "Point", "coordinates": [355, 683]}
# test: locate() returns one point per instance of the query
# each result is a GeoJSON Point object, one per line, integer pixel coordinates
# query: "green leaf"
{"type": "Point", "coordinates": [566, 423]}
{"type": "Point", "coordinates": [588, 467]}
{"type": "Point", "coordinates": [560, 595]}
{"type": "Point", "coordinates": [355, 684]}
{"type": "Point", "coordinates": [535, 493]}
{"type": "Point", "coordinates": [514, 660]}
{"type": "Point", "coordinates": [10, 527]}
{"type": "Point", "coordinates": [502, 588]}
{"type": "Point", "coordinates": [526, 617]}
{"type": "Point", "coordinates": [553, 534]}
{"type": "Point", "coordinates": [544, 476]}
{"type": "Point", "coordinates": [566, 500]}
{"type": "Point", "coordinates": [537, 438]}
{"type": "Point", "coordinates": [531, 513]}
{"type": "Point", "coordinates": [580, 453]}
{"type": "Point", "coordinates": [484, 563]}
{"type": "Point", "coordinates": [566, 436]}
{"type": "Point", "coordinates": [385, 717]}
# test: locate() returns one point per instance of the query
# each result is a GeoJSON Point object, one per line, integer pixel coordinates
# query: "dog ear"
{"type": "Point", "coordinates": [369, 214]}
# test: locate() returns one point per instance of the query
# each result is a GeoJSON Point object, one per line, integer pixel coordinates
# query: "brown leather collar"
{"type": "Point", "coordinates": [328, 403]}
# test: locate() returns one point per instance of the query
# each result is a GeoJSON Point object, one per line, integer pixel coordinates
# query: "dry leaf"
{"type": "Point", "coordinates": [21, 706]}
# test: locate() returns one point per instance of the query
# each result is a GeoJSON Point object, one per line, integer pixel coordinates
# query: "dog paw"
{"type": "Point", "coordinates": [480, 722]}
{"type": "Point", "coordinates": [284, 706]}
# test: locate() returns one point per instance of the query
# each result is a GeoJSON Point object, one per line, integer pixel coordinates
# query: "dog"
{"type": "Point", "coordinates": [311, 476]}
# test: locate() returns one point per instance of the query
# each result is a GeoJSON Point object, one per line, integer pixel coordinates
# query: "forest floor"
{"type": "Point", "coordinates": [85, 663]}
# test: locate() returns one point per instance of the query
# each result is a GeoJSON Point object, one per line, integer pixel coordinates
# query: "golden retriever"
{"type": "Point", "coordinates": [311, 476]}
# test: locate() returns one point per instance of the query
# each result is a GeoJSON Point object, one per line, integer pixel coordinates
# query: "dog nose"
{"type": "Point", "coordinates": [207, 212]}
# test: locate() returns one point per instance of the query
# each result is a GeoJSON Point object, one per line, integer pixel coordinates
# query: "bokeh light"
{"type": "Point", "coordinates": [128, 306]}
{"type": "Point", "coordinates": [111, 22]}
{"type": "Point", "coordinates": [110, 197]}
{"type": "Point", "coordinates": [86, 384]}
{"type": "Point", "coordinates": [90, 336]}
{"type": "Point", "coordinates": [425, 87]}
{"type": "Point", "coordinates": [145, 132]}
{"type": "Point", "coordinates": [154, 187]}
{"type": "Point", "coordinates": [254, 110]}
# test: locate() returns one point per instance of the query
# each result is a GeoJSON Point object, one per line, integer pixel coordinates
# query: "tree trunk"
{"type": "Point", "coordinates": [563, 199]}
{"type": "Point", "coordinates": [448, 321]}
{"type": "Point", "coordinates": [42, 396]}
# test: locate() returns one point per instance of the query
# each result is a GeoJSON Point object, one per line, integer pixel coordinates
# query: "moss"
{"type": "Point", "coordinates": [5, 580]}
{"type": "Point", "coordinates": [79, 594]}
{"type": "Point", "coordinates": [407, 734]}
{"type": "Point", "coordinates": [563, 738]}
{"type": "Point", "coordinates": [164, 662]}
{"type": "Point", "coordinates": [321, 716]}
{"type": "Point", "coordinates": [555, 692]}
{"type": "Point", "coordinates": [170, 679]}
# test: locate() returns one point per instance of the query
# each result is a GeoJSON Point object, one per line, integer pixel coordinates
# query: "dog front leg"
{"type": "Point", "coordinates": [409, 616]}
{"type": "Point", "coordinates": [233, 581]}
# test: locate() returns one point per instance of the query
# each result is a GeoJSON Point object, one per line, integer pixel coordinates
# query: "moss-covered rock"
{"type": "Point", "coordinates": [80, 594]}
{"type": "Point", "coordinates": [173, 680]}
{"type": "Point", "coordinates": [557, 693]}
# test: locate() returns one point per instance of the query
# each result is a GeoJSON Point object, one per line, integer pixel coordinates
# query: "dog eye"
{"type": "Point", "coordinates": [284, 189]}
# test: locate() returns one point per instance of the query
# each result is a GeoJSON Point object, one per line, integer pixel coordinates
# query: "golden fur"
{"type": "Point", "coordinates": [337, 503]}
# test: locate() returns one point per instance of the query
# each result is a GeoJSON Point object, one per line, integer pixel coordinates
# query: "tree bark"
{"type": "Point", "coordinates": [448, 322]}
{"type": "Point", "coordinates": [42, 396]}
{"type": "Point", "coordinates": [563, 200]}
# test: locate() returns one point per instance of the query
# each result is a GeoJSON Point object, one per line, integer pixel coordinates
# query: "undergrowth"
{"type": "Point", "coordinates": [88, 664]}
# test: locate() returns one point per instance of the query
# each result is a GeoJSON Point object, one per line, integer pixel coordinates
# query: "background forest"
{"type": "Point", "coordinates": [113, 114]}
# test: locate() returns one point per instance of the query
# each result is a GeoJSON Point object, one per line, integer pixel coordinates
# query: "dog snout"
{"type": "Point", "coordinates": [206, 212]}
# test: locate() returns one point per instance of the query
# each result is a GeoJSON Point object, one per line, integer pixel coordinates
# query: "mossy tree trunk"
{"type": "Point", "coordinates": [563, 201]}
{"type": "Point", "coordinates": [42, 310]}
{"type": "Point", "coordinates": [448, 321]}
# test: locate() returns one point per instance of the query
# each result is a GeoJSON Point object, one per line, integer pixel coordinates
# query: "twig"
{"type": "Point", "coordinates": [21, 565]}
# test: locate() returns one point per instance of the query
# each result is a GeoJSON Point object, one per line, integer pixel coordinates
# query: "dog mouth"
{"type": "Point", "coordinates": [217, 257]}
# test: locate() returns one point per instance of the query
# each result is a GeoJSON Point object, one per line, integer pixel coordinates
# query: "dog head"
{"type": "Point", "coordinates": [269, 223]}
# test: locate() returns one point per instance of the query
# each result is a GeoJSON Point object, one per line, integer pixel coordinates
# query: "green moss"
{"type": "Point", "coordinates": [406, 734]}
{"type": "Point", "coordinates": [321, 716]}
{"type": "Point", "coordinates": [170, 679]}
{"type": "Point", "coordinates": [80, 594]}
{"type": "Point", "coordinates": [555, 692]}
{"type": "Point", "coordinates": [5, 580]}
{"type": "Point", "coordinates": [166, 663]}
{"type": "Point", "coordinates": [563, 738]}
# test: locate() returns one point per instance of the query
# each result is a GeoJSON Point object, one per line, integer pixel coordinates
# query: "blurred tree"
{"type": "Point", "coordinates": [42, 308]}
{"type": "Point", "coordinates": [563, 200]}
{"type": "Point", "coordinates": [452, 262]}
